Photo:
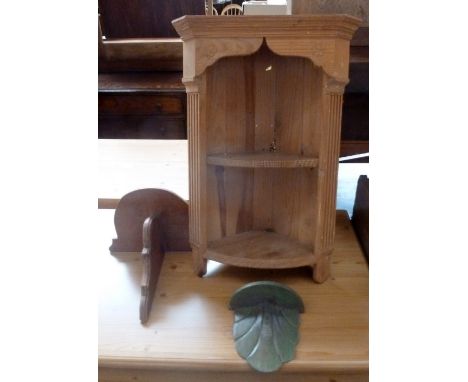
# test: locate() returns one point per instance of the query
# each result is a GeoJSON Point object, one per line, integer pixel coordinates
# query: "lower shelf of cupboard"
{"type": "Point", "coordinates": [260, 249]}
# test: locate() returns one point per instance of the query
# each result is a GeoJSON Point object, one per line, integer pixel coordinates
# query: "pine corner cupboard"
{"type": "Point", "coordinates": [264, 100]}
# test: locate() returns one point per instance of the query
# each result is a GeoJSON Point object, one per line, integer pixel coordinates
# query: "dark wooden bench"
{"type": "Point", "coordinates": [142, 105]}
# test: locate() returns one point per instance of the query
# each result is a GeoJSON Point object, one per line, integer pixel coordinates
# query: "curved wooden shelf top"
{"type": "Point", "coordinates": [262, 160]}
{"type": "Point", "coordinates": [260, 249]}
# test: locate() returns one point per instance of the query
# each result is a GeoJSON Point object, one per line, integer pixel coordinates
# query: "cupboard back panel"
{"type": "Point", "coordinates": [263, 112]}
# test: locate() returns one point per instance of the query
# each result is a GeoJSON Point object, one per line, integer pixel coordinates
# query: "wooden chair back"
{"type": "Point", "coordinates": [232, 10]}
{"type": "Point", "coordinates": [214, 10]}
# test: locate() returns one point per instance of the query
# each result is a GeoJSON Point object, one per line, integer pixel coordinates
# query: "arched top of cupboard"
{"type": "Point", "coordinates": [324, 39]}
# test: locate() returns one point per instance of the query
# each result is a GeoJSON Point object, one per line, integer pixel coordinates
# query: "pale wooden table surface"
{"type": "Point", "coordinates": [130, 164]}
{"type": "Point", "coordinates": [188, 336]}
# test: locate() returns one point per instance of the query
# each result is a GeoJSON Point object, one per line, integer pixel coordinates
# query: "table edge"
{"type": "Point", "coordinates": [347, 366]}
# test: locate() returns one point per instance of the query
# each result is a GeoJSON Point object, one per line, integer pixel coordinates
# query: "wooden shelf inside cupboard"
{"type": "Point", "coordinates": [262, 160]}
{"type": "Point", "coordinates": [260, 249]}
{"type": "Point", "coordinates": [264, 93]}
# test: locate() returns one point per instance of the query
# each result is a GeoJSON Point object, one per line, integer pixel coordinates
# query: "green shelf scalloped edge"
{"type": "Point", "coordinates": [266, 324]}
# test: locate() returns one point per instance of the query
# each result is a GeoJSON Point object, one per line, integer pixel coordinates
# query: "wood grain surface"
{"type": "Point", "coordinates": [158, 82]}
{"type": "Point", "coordinates": [136, 206]}
{"type": "Point", "coordinates": [305, 26]}
{"type": "Point", "coordinates": [358, 8]}
{"type": "Point", "coordinates": [262, 160]}
{"type": "Point", "coordinates": [152, 257]}
{"type": "Point", "coordinates": [126, 165]}
{"type": "Point", "coordinates": [140, 54]}
{"type": "Point", "coordinates": [188, 335]}
{"type": "Point", "coordinates": [260, 249]}
{"type": "Point", "coordinates": [360, 219]}
{"type": "Point", "coordinates": [141, 104]}
{"type": "Point", "coordinates": [144, 18]}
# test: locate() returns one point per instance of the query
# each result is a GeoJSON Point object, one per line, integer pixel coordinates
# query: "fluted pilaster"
{"type": "Point", "coordinates": [197, 169]}
{"type": "Point", "coordinates": [328, 167]}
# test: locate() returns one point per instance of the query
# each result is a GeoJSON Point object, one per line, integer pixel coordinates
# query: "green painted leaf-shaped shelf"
{"type": "Point", "coordinates": [266, 324]}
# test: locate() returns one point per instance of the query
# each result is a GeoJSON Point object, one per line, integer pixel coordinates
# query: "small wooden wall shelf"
{"type": "Point", "coordinates": [264, 96]}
